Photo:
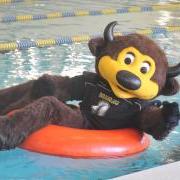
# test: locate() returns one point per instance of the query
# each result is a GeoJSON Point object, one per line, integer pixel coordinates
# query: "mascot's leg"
{"type": "Point", "coordinates": [15, 127]}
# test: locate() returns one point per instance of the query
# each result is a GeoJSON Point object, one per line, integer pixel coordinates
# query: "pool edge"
{"type": "Point", "coordinates": [164, 172]}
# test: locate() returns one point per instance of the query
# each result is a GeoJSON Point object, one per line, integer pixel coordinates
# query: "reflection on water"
{"type": "Point", "coordinates": [173, 155]}
{"type": "Point", "coordinates": [164, 19]}
{"type": "Point", "coordinates": [67, 60]}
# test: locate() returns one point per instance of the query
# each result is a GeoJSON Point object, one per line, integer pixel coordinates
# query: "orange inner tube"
{"type": "Point", "coordinates": [80, 143]}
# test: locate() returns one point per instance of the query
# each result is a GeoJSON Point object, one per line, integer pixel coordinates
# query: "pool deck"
{"type": "Point", "coordinates": [165, 172]}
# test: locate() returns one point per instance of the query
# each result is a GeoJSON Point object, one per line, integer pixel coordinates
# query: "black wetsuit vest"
{"type": "Point", "coordinates": [103, 109]}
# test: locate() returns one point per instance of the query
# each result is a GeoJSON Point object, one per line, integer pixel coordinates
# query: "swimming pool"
{"type": "Point", "coordinates": [20, 66]}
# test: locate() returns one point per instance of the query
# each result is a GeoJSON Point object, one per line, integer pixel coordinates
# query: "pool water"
{"type": "Point", "coordinates": [19, 66]}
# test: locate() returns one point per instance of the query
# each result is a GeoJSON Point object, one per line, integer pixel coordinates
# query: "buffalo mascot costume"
{"type": "Point", "coordinates": [131, 71]}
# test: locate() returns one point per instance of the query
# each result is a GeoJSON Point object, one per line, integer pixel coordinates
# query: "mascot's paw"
{"type": "Point", "coordinates": [171, 117]}
{"type": "Point", "coordinates": [171, 114]}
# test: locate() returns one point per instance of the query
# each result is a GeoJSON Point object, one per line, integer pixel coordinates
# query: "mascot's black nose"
{"type": "Point", "coordinates": [128, 80]}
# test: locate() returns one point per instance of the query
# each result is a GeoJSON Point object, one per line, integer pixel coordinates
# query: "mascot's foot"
{"type": "Point", "coordinates": [8, 138]}
{"type": "Point", "coordinates": [3, 127]}
{"type": "Point", "coordinates": [171, 117]}
{"type": "Point", "coordinates": [3, 143]}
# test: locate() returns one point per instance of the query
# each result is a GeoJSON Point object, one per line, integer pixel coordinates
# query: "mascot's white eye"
{"type": "Point", "coordinates": [129, 58]}
{"type": "Point", "coordinates": [145, 67]}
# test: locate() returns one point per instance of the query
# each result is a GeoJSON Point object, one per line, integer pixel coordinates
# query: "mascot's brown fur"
{"type": "Point", "coordinates": [117, 96]}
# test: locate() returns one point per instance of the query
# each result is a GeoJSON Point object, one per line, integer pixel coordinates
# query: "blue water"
{"type": "Point", "coordinates": [19, 66]}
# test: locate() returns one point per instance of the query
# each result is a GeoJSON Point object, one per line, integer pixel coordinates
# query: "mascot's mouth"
{"type": "Point", "coordinates": [120, 91]}
{"type": "Point", "coordinates": [118, 86]}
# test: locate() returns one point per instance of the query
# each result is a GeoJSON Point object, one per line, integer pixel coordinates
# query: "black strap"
{"type": "Point", "coordinates": [144, 104]}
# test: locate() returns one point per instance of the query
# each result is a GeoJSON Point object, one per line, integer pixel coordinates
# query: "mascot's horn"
{"type": "Point", "coordinates": [173, 71]}
{"type": "Point", "coordinates": [108, 32]}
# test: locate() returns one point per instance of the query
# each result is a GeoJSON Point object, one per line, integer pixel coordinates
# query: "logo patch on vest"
{"type": "Point", "coordinates": [100, 109]}
{"type": "Point", "coordinates": [108, 99]}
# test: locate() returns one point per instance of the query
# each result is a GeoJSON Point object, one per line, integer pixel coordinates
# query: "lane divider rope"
{"type": "Point", "coordinates": [123, 10]}
{"type": "Point", "coordinates": [28, 43]}
{"type": "Point", "coordinates": [4, 2]}
{"type": "Point", "coordinates": [10, 1]}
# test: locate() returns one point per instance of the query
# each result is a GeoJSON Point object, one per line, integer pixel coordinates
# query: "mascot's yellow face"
{"type": "Point", "coordinates": [130, 75]}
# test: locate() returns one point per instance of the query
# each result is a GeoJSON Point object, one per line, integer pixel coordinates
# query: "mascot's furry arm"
{"type": "Point", "coordinates": [63, 88]}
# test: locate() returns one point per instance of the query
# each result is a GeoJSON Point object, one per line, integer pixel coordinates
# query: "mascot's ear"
{"type": "Point", "coordinates": [95, 46]}
{"type": "Point", "coordinates": [171, 87]}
